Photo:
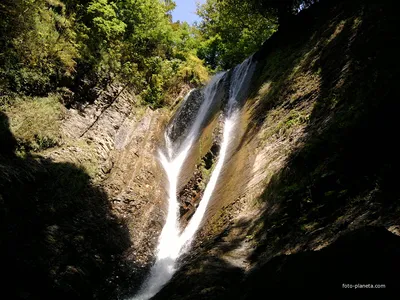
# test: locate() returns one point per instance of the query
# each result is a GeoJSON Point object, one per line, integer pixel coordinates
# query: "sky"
{"type": "Point", "coordinates": [186, 11]}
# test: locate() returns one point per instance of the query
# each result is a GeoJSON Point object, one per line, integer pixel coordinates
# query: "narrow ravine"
{"type": "Point", "coordinates": [172, 244]}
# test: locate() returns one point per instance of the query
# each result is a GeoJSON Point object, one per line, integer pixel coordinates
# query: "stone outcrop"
{"type": "Point", "coordinates": [117, 144]}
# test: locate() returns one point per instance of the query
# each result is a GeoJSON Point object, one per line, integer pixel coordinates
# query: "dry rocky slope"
{"type": "Point", "coordinates": [309, 197]}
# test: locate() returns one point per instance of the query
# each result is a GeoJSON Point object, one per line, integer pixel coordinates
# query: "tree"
{"type": "Point", "coordinates": [231, 31]}
{"type": "Point", "coordinates": [84, 46]}
{"type": "Point", "coordinates": [38, 46]}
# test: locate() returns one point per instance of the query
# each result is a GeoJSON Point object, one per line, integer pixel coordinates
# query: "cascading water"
{"type": "Point", "coordinates": [239, 75]}
{"type": "Point", "coordinates": [172, 244]}
{"type": "Point", "coordinates": [172, 161]}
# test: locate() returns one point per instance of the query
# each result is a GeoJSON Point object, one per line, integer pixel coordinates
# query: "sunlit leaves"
{"type": "Point", "coordinates": [86, 45]}
{"type": "Point", "coordinates": [105, 19]}
{"type": "Point", "coordinates": [232, 31]}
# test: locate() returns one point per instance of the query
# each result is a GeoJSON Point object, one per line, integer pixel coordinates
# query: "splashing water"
{"type": "Point", "coordinates": [172, 244]}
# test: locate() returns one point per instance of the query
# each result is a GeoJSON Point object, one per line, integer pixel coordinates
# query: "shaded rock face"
{"type": "Point", "coordinates": [191, 194]}
{"type": "Point", "coordinates": [60, 238]}
{"type": "Point", "coordinates": [117, 144]}
{"type": "Point", "coordinates": [310, 163]}
{"type": "Point", "coordinates": [184, 118]}
{"type": "Point", "coordinates": [356, 258]}
{"type": "Point", "coordinates": [8, 141]}
{"type": "Point", "coordinates": [368, 256]}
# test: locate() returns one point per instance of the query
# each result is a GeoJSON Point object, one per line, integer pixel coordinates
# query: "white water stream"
{"type": "Point", "coordinates": [172, 244]}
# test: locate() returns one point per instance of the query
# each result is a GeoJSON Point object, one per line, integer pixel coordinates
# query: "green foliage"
{"type": "Point", "coordinates": [104, 18]}
{"type": "Point", "coordinates": [87, 45]}
{"type": "Point", "coordinates": [231, 32]}
{"type": "Point", "coordinates": [37, 44]}
{"type": "Point", "coordinates": [168, 75]}
{"type": "Point", "coordinates": [35, 122]}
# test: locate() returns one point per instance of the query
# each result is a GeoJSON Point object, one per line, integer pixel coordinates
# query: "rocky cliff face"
{"type": "Point", "coordinates": [307, 195]}
{"type": "Point", "coordinates": [307, 166]}
{"type": "Point", "coordinates": [120, 141]}
{"type": "Point", "coordinates": [90, 207]}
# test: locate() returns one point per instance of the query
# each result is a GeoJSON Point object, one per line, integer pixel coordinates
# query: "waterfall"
{"type": "Point", "coordinates": [172, 244]}
{"type": "Point", "coordinates": [240, 75]}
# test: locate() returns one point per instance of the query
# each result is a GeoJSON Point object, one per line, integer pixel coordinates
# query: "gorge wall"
{"type": "Point", "coordinates": [307, 193]}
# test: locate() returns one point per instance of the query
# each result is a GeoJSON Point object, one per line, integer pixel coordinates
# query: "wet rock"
{"type": "Point", "coordinates": [185, 116]}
